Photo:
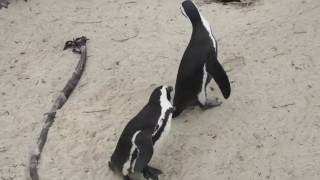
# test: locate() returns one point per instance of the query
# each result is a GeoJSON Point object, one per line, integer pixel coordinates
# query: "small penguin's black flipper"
{"type": "Point", "coordinates": [219, 74]}
{"type": "Point", "coordinates": [144, 145]}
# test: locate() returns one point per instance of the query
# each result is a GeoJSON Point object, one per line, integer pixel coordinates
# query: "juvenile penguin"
{"type": "Point", "coordinates": [135, 147]}
{"type": "Point", "coordinates": [198, 65]}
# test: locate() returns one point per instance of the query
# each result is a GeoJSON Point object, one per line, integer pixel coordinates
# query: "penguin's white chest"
{"type": "Point", "coordinates": [164, 133]}
{"type": "Point", "coordinates": [164, 123]}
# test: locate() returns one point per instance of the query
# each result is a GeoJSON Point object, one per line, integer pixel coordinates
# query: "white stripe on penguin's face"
{"type": "Point", "coordinates": [183, 12]}
{"type": "Point", "coordinates": [165, 106]}
{"type": "Point", "coordinates": [126, 166]}
{"type": "Point", "coordinates": [206, 24]}
{"type": "Point", "coordinates": [208, 28]}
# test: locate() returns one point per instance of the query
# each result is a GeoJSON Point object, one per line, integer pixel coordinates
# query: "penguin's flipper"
{"type": "Point", "coordinates": [144, 145]}
{"type": "Point", "coordinates": [219, 74]}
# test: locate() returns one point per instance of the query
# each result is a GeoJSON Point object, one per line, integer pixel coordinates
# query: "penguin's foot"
{"type": "Point", "coordinates": [151, 172]}
{"type": "Point", "coordinates": [111, 166]}
{"type": "Point", "coordinates": [134, 176]}
{"type": "Point", "coordinates": [210, 104]}
{"type": "Point", "coordinates": [190, 107]}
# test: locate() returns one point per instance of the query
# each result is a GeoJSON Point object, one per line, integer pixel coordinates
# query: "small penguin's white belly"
{"type": "Point", "coordinates": [165, 106]}
{"type": "Point", "coordinates": [158, 144]}
{"type": "Point", "coordinates": [163, 127]}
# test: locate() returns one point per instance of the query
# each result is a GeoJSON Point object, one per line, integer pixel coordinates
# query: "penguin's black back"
{"type": "Point", "coordinates": [190, 71]}
{"type": "Point", "coordinates": [200, 51]}
{"type": "Point", "coordinates": [196, 53]}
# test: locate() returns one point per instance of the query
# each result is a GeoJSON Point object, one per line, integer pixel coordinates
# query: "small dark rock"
{"type": "Point", "coordinates": [241, 158]}
{"type": "Point", "coordinates": [259, 146]}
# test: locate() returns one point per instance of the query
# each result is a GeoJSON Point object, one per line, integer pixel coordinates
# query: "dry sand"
{"type": "Point", "coordinates": [268, 129]}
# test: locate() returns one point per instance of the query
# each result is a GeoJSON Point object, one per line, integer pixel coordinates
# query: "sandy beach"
{"type": "Point", "coordinates": [269, 128]}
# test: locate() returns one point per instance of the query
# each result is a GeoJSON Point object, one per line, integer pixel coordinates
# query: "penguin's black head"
{"type": "Point", "coordinates": [161, 92]}
{"type": "Point", "coordinates": [190, 10]}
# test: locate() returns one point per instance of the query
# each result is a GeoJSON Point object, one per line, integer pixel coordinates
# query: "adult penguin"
{"type": "Point", "coordinates": [135, 147]}
{"type": "Point", "coordinates": [198, 65]}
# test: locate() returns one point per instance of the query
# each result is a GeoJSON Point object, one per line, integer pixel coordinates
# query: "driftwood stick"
{"type": "Point", "coordinates": [283, 106]}
{"type": "Point", "coordinates": [78, 46]}
{"type": "Point", "coordinates": [4, 4]}
{"type": "Point", "coordinates": [102, 110]}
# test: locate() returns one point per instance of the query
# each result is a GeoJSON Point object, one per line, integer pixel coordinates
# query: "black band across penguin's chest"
{"type": "Point", "coordinates": [160, 130]}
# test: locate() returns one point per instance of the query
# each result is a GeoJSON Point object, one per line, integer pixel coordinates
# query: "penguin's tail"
{"type": "Point", "coordinates": [111, 166]}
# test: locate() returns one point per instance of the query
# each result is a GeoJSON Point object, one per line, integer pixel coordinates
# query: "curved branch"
{"type": "Point", "coordinates": [78, 45]}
